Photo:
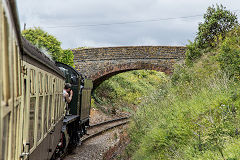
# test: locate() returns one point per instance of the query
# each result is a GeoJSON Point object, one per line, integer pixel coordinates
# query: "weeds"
{"type": "Point", "coordinates": [194, 118]}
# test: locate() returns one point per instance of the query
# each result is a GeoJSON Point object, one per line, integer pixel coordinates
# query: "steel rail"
{"type": "Point", "coordinates": [83, 139]}
{"type": "Point", "coordinates": [106, 129]}
{"type": "Point", "coordinates": [107, 122]}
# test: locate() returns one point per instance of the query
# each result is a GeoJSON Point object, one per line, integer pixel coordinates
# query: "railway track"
{"type": "Point", "coordinates": [99, 128]}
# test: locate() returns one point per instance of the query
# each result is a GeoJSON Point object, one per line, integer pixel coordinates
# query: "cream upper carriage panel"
{"type": "Point", "coordinates": [10, 82]}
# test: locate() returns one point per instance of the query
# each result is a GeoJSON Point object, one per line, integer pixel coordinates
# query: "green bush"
{"type": "Point", "coordinates": [193, 52]}
{"type": "Point", "coordinates": [229, 54]}
{"type": "Point", "coordinates": [218, 21]}
{"type": "Point", "coordinates": [196, 117]}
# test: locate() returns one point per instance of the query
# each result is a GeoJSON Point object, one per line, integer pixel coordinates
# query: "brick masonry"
{"type": "Point", "coordinates": [99, 64]}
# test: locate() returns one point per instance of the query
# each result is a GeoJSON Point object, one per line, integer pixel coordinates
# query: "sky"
{"type": "Point", "coordinates": [105, 23]}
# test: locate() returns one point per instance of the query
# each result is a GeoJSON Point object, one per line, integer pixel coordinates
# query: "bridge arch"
{"type": "Point", "coordinates": [99, 64]}
{"type": "Point", "coordinates": [110, 71]}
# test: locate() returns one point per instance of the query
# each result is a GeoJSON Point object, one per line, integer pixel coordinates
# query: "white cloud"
{"type": "Point", "coordinates": [47, 13]}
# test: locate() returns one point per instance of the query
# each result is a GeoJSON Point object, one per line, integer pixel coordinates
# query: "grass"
{"type": "Point", "coordinates": [197, 117]}
{"type": "Point", "coordinates": [125, 91]}
{"type": "Point", "coordinates": [195, 114]}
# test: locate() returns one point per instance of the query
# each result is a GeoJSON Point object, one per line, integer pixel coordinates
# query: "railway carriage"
{"type": "Point", "coordinates": [42, 83]}
{"type": "Point", "coordinates": [33, 124]}
{"type": "Point", "coordinates": [10, 82]}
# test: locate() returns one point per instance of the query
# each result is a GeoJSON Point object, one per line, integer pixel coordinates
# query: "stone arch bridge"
{"type": "Point", "coordinates": [99, 64]}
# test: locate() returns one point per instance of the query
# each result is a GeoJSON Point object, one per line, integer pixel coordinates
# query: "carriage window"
{"type": "Point", "coordinates": [17, 71]}
{"type": "Point", "coordinates": [45, 114]}
{"type": "Point", "coordinates": [32, 120]}
{"type": "Point", "coordinates": [50, 112]}
{"type": "Point", "coordinates": [59, 86]}
{"type": "Point", "coordinates": [50, 84]}
{"type": "Point", "coordinates": [46, 83]}
{"type": "Point", "coordinates": [55, 108]}
{"type": "Point", "coordinates": [5, 136]}
{"type": "Point", "coordinates": [60, 105]}
{"type": "Point", "coordinates": [40, 78]}
{"type": "Point", "coordinates": [5, 64]}
{"type": "Point", "coordinates": [39, 134]}
{"type": "Point", "coordinates": [54, 85]}
{"type": "Point", "coordinates": [56, 81]}
{"type": "Point", "coordinates": [32, 82]}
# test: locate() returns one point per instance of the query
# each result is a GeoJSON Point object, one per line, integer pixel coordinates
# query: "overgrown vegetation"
{"type": "Point", "coordinates": [197, 117]}
{"type": "Point", "coordinates": [126, 90]}
{"type": "Point", "coordinates": [229, 53]}
{"type": "Point", "coordinates": [196, 113]}
{"type": "Point", "coordinates": [49, 45]}
{"type": "Point", "coordinates": [218, 21]}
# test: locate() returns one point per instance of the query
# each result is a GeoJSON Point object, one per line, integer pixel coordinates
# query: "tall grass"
{"type": "Point", "coordinates": [195, 114]}
{"type": "Point", "coordinates": [196, 117]}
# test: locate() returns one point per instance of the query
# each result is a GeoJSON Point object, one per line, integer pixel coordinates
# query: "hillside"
{"type": "Point", "coordinates": [194, 113]}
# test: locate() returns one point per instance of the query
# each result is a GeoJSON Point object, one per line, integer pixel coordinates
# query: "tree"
{"type": "Point", "coordinates": [67, 57]}
{"type": "Point", "coordinates": [217, 23]}
{"type": "Point", "coordinates": [45, 41]}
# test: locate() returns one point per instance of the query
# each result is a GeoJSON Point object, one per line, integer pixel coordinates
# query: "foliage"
{"type": "Point", "coordinates": [126, 90]}
{"type": "Point", "coordinates": [45, 41]}
{"type": "Point", "coordinates": [67, 57]}
{"type": "Point", "coordinates": [229, 54]}
{"type": "Point", "coordinates": [193, 52]}
{"type": "Point", "coordinates": [217, 23]}
{"type": "Point", "coordinates": [197, 117]}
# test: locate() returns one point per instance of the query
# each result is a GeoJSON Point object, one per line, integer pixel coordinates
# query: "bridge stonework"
{"type": "Point", "coordinates": [99, 64]}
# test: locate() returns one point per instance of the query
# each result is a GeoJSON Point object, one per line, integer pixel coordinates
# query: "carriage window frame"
{"type": "Point", "coordinates": [60, 106]}
{"type": "Point", "coordinates": [32, 82]}
{"type": "Point", "coordinates": [46, 83]}
{"type": "Point", "coordinates": [55, 108]}
{"type": "Point", "coordinates": [39, 118]}
{"type": "Point", "coordinates": [45, 121]}
{"type": "Point", "coordinates": [50, 112]}
{"type": "Point", "coordinates": [32, 122]}
{"type": "Point", "coordinates": [50, 84]}
{"type": "Point", "coordinates": [40, 83]}
{"type": "Point", "coordinates": [17, 76]}
{"type": "Point", "coordinates": [5, 63]}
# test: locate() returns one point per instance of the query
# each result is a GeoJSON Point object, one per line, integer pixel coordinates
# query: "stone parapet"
{"type": "Point", "coordinates": [101, 63]}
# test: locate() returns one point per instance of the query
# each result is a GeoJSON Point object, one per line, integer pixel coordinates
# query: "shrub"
{"type": "Point", "coordinates": [229, 54]}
